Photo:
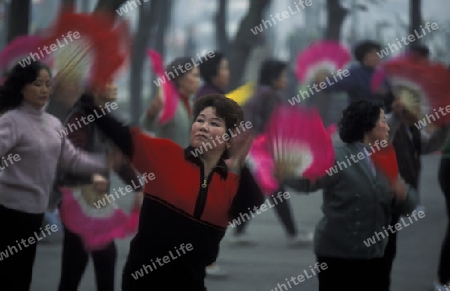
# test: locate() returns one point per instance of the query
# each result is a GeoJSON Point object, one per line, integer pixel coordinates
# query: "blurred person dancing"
{"type": "Point", "coordinates": [215, 74]}
{"type": "Point", "coordinates": [65, 92]}
{"type": "Point", "coordinates": [357, 84]}
{"type": "Point", "coordinates": [90, 138]}
{"type": "Point", "coordinates": [186, 83]}
{"type": "Point", "coordinates": [259, 109]}
{"type": "Point", "coordinates": [358, 202]}
{"type": "Point", "coordinates": [409, 143]}
{"type": "Point", "coordinates": [442, 282]}
{"type": "Point", "coordinates": [186, 210]}
{"type": "Point", "coordinates": [31, 133]}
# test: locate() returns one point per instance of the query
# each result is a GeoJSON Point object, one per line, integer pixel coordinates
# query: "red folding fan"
{"type": "Point", "coordinates": [86, 47]}
{"type": "Point", "coordinates": [422, 86]}
{"type": "Point", "coordinates": [322, 57]}
{"type": "Point", "coordinates": [21, 49]}
{"type": "Point", "coordinates": [385, 160]}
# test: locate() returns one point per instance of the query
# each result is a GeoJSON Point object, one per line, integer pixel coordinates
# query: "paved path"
{"type": "Point", "coordinates": [262, 267]}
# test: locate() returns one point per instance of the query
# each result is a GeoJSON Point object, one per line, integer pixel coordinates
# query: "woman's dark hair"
{"type": "Point", "coordinates": [10, 92]}
{"type": "Point", "coordinates": [363, 48]}
{"type": "Point", "coordinates": [210, 68]}
{"type": "Point", "coordinates": [226, 108]}
{"type": "Point", "coordinates": [420, 50]}
{"type": "Point", "coordinates": [270, 71]}
{"type": "Point", "coordinates": [174, 72]}
{"type": "Point", "coordinates": [357, 119]}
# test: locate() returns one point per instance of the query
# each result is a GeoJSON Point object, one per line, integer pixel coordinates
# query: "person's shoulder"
{"type": "Point", "coordinates": [344, 149]}
{"type": "Point", "coordinates": [15, 116]}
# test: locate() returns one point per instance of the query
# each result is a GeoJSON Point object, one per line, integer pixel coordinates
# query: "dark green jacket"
{"type": "Point", "coordinates": [355, 206]}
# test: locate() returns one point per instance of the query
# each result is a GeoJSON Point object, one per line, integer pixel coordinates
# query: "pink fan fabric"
{"type": "Point", "coordinates": [262, 165]}
{"type": "Point", "coordinates": [21, 48]}
{"type": "Point", "coordinates": [324, 54]}
{"type": "Point", "coordinates": [294, 126]}
{"type": "Point", "coordinates": [96, 232]}
{"type": "Point", "coordinates": [291, 127]}
{"type": "Point", "coordinates": [168, 91]}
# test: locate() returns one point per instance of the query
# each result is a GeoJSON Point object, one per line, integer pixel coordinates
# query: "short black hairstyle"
{"type": "Point", "coordinates": [210, 68]}
{"type": "Point", "coordinates": [226, 108]}
{"type": "Point", "coordinates": [357, 119]}
{"type": "Point", "coordinates": [270, 71]}
{"type": "Point", "coordinates": [362, 48]}
{"type": "Point", "coordinates": [420, 50]}
{"type": "Point", "coordinates": [173, 69]}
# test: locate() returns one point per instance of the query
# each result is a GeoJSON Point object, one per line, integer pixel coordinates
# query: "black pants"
{"type": "Point", "coordinates": [283, 211]}
{"type": "Point", "coordinates": [349, 274]}
{"type": "Point", "coordinates": [75, 259]}
{"type": "Point", "coordinates": [389, 255]}
{"type": "Point", "coordinates": [18, 241]}
{"type": "Point", "coordinates": [444, 262]}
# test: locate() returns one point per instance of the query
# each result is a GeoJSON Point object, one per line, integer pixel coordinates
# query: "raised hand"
{"type": "Point", "coordinates": [155, 107]}
{"type": "Point", "coordinates": [239, 149]}
{"type": "Point", "coordinates": [100, 183]}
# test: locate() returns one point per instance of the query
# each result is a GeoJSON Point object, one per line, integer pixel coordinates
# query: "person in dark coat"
{"type": "Point", "coordinates": [272, 82]}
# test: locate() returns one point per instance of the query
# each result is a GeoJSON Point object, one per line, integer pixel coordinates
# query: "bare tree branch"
{"type": "Point", "coordinates": [221, 30]}
{"type": "Point", "coordinates": [245, 41]}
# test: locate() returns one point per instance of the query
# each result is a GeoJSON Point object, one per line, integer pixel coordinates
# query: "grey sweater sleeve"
{"type": "Point", "coordinates": [80, 162]}
{"type": "Point", "coordinates": [8, 135]}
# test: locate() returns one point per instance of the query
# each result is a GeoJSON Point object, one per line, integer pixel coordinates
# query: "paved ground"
{"type": "Point", "coordinates": [262, 267]}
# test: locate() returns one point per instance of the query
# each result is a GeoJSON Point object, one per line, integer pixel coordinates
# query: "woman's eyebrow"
{"type": "Point", "coordinates": [218, 118]}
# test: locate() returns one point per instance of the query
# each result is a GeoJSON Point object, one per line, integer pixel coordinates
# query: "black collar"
{"type": "Point", "coordinates": [221, 167]}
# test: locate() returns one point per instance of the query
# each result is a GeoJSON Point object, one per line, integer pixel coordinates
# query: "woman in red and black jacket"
{"type": "Point", "coordinates": [194, 195]}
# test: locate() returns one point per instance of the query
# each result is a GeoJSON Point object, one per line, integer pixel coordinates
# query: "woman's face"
{"type": "Point", "coordinates": [209, 128]}
{"type": "Point", "coordinates": [109, 92]}
{"type": "Point", "coordinates": [189, 83]}
{"type": "Point", "coordinates": [381, 130]}
{"type": "Point", "coordinates": [223, 75]}
{"type": "Point", "coordinates": [37, 92]}
{"type": "Point", "coordinates": [281, 82]}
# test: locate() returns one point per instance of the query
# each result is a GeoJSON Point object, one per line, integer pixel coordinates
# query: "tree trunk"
{"type": "Point", "coordinates": [109, 5]}
{"type": "Point", "coordinates": [85, 6]}
{"type": "Point", "coordinates": [164, 15]}
{"type": "Point", "coordinates": [148, 17]}
{"type": "Point", "coordinates": [69, 5]}
{"type": "Point", "coordinates": [109, 8]}
{"type": "Point", "coordinates": [222, 41]}
{"type": "Point", "coordinates": [19, 23]}
{"type": "Point", "coordinates": [335, 17]}
{"type": "Point", "coordinates": [245, 41]}
{"type": "Point", "coordinates": [415, 18]}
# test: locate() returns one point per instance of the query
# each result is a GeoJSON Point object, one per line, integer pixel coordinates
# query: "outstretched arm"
{"type": "Point", "coordinates": [114, 129]}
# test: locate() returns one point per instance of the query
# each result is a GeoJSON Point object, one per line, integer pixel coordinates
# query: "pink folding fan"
{"type": "Point", "coordinates": [167, 91]}
{"type": "Point", "coordinates": [321, 57]}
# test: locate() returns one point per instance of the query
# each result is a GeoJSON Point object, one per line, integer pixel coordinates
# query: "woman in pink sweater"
{"type": "Point", "coordinates": [31, 147]}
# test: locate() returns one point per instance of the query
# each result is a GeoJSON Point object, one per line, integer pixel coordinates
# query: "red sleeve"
{"type": "Point", "coordinates": [80, 136]}
{"type": "Point", "coordinates": [143, 150]}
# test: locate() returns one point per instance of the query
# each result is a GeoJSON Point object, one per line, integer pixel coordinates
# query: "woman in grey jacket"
{"type": "Point", "coordinates": [358, 203]}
